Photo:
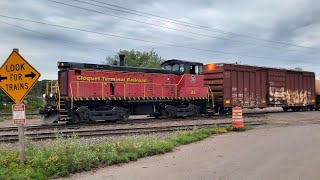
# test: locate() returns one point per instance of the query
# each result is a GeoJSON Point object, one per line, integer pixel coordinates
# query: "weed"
{"type": "Point", "coordinates": [65, 156]}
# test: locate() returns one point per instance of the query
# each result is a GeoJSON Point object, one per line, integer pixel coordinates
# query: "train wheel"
{"type": "Point", "coordinates": [306, 108]}
{"type": "Point", "coordinates": [221, 111]}
{"type": "Point", "coordinates": [170, 111]}
{"type": "Point", "coordinates": [124, 114]}
{"type": "Point", "coordinates": [229, 111]}
{"type": "Point", "coordinates": [296, 109]}
{"type": "Point", "coordinates": [164, 114]}
{"type": "Point", "coordinates": [285, 109]}
{"type": "Point", "coordinates": [82, 115]}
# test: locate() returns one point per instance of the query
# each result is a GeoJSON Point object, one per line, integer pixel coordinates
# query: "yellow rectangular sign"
{"type": "Point", "coordinates": [17, 77]}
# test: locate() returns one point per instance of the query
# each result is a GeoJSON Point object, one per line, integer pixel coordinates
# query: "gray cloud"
{"type": "Point", "coordinates": [294, 21]}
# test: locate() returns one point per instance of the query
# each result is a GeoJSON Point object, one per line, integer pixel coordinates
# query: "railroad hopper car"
{"type": "Point", "coordinates": [259, 87]}
{"type": "Point", "coordinates": [93, 92]}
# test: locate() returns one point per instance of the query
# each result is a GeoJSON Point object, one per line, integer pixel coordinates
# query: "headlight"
{"type": "Point", "coordinates": [50, 94]}
{"type": "Point", "coordinates": [44, 95]}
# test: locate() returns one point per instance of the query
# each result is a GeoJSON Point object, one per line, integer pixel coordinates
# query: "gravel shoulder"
{"type": "Point", "coordinates": [274, 153]}
{"type": "Point", "coordinates": [286, 148]}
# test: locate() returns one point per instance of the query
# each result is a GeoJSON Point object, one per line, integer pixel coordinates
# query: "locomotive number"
{"type": "Point", "coordinates": [193, 91]}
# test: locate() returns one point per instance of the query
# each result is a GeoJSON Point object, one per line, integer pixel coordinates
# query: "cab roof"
{"type": "Point", "coordinates": [177, 61]}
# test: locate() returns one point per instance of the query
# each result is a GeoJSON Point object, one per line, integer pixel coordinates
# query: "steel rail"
{"type": "Point", "coordinates": [115, 131]}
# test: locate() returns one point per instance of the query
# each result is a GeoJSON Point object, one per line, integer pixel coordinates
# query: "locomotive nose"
{"type": "Point", "coordinates": [122, 60]}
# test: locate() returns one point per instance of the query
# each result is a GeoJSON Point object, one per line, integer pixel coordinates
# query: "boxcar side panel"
{"type": "Point", "coordinates": [250, 86]}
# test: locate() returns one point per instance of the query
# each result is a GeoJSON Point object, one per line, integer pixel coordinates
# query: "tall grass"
{"type": "Point", "coordinates": [65, 156]}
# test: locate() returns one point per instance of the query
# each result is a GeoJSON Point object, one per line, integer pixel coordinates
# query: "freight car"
{"type": "Point", "coordinates": [93, 92]}
{"type": "Point", "coordinates": [318, 94]}
{"type": "Point", "coordinates": [259, 87]}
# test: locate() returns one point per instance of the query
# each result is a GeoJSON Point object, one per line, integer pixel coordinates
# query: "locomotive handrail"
{"type": "Point", "coordinates": [59, 100]}
{"type": "Point", "coordinates": [180, 79]}
{"type": "Point", "coordinates": [124, 90]}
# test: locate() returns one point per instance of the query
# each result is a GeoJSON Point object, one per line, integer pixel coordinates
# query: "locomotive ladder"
{"type": "Point", "coordinates": [210, 101]}
{"type": "Point", "coordinates": [61, 106]}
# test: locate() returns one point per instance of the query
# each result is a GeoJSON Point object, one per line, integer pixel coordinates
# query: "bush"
{"type": "Point", "coordinates": [33, 103]}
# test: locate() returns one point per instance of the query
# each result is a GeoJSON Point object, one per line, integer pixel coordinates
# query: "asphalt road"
{"type": "Point", "coordinates": [285, 152]}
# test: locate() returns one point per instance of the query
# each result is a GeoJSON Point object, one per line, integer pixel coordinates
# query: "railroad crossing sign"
{"type": "Point", "coordinates": [17, 77]}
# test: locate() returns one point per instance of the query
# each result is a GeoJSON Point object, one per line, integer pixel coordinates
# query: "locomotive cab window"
{"type": "Point", "coordinates": [175, 67]}
{"type": "Point", "coordinates": [196, 69]}
{"type": "Point", "coordinates": [183, 67]}
{"type": "Point", "coordinates": [168, 67]}
{"type": "Point", "coordinates": [193, 69]}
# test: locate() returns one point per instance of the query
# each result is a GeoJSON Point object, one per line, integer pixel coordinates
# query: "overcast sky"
{"type": "Point", "coordinates": [295, 23]}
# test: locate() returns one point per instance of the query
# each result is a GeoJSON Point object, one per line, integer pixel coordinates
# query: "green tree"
{"type": "Point", "coordinates": [38, 89]}
{"type": "Point", "coordinates": [149, 59]}
{"type": "Point", "coordinates": [4, 99]}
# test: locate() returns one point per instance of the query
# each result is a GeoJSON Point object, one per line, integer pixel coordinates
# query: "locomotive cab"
{"type": "Point", "coordinates": [184, 67]}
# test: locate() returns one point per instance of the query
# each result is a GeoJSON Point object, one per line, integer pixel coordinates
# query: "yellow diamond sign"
{"type": "Point", "coordinates": [17, 77]}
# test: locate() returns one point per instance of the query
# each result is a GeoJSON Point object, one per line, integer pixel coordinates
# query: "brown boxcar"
{"type": "Point", "coordinates": [317, 94]}
{"type": "Point", "coordinates": [259, 87]}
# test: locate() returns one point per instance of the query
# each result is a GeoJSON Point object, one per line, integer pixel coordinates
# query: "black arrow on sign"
{"type": "Point", "coordinates": [2, 78]}
{"type": "Point", "coordinates": [31, 75]}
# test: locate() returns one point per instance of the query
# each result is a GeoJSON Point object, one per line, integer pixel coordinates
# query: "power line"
{"type": "Point", "coordinates": [120, 9]}
{"type": "Point", "coordinates": [204, 27]}
{"type": "Point", "coordinates": [137, 39]}
{"type": "Point", "coordinates": [156, 25]}
{"type": "Point", "coordinates": [50, 36]}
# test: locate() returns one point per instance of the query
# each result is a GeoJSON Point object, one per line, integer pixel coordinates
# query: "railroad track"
{"type": "Point", "coordinates": [78, 126]}
{"type": "Point", "coordinates": [113, 132]}
{"type": "Point", "coordinates": [149, 120]}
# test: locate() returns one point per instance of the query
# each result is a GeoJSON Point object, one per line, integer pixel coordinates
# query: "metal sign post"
{"type": "Point", "coordinates": [19, 118]}
{"type": "Point", "coordinates": [17, 77]}
{"type": "Point", "coordinates": [22, 150]}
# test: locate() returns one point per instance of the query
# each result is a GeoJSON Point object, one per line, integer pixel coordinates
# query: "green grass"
{"type": "Point", "coordinates": [65, 156]}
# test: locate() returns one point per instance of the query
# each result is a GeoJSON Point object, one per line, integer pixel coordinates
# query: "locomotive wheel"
{"type": "Point", "coordinates": [195, 109]}
{"type": "Point", "coordinates": [171, 111]}
{"type": "Point", "coordinates": [164, 114]}
{"type": "Point", "coordinates": [124, 114]}
{"type": "Point", "coordinates": [82, 115]}
{"type": "Point", "coordinates": [121, 114]}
